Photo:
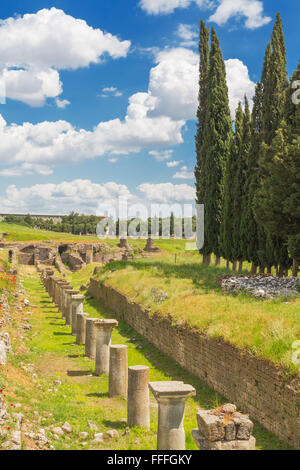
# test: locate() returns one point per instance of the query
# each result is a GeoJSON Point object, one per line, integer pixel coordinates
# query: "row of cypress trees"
{"type": "Point", "coordinates": [248, 174]}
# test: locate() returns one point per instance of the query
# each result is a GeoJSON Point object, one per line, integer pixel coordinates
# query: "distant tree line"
{"type": "Point", "coordinates": [87, 224]}
{"type": "Point", "coordinates": [74, 223]}
{"type": "Point", "coordinates": [248, 172]}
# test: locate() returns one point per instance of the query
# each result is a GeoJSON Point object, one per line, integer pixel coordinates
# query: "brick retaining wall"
{"type": "Point", "coordinates": [255, 385]}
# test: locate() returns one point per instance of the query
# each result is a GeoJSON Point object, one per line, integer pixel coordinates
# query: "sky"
{"type": "Point", "coordinates": [99, 98]}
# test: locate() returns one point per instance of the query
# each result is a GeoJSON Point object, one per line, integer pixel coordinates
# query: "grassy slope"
{"type": "Point", "coordinates": [49, 348]}
{"type": "Point", "coordinates": [22, 233]}
{"type": "Point", "coordinates": [266, 328]}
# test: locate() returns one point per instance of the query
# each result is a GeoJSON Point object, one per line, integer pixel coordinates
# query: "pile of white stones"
{"type": "Point", "coordinates": [264, 287]}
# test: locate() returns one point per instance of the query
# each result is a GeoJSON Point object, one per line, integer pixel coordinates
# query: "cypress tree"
{"type": "Point", "coordinates": [200, 172]}
{"type": "Point", "coordinates": [239, 178]}
{"type": "Point", "coordinates": [274, 80]}
{"type": "Point", "coordinates": [230, 220]}
{"type": "Point", "coordinates": [217, 136]}
{"type": "Point", "coordinates": [245, 180]}
{"type": "Point", "coordinates": [278, 197]}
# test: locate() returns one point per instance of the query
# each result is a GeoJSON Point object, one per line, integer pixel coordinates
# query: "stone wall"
{"type": "Point", "coordinates": [255, 385]}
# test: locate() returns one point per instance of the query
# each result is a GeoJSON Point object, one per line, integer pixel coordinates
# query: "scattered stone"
{"type": "Point", "coordinates": [92, 426]}
{"type": "Point", "coordinates": [83, 435]}
{"type": "Point", "coordinates": [111, 434]}
{"type": "Point", "coordinates": [158, 295]}
{"type": "Point", "coordinates": [58, 431]}
{"type": "Point", "coordinates": [57, 383]}
{"type": "Point", "coordinates": [261, 286]}
{"type": "Point", "coordinates": [66, 427]}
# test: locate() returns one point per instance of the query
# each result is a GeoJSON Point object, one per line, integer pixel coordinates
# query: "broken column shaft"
{"type": "Point", "coordinates": [81, 325]}
{"type": "Point", "coordinates": [104, 330]}
{"type": "Point", "coordinates": [118, 371]}
{"type": "Point", "coordinates": [77, 307]}
{"type": "Point", "coordinates": [138, 403]}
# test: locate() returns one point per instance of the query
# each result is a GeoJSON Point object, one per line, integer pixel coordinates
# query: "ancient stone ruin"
{"type": "Point", "coordinates": [150, 246]}
{"type": "Point", "coordinates": [73, 255]}
{"type": "Point", "coordinates": [223, 429]}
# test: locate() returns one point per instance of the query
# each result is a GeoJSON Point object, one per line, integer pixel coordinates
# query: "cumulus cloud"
{"type": "Point", "coordinates": [52, 143]}
{"type": "Point", "coordinates": [173, 163]}
{"type": "Point", "coordinates": [161, 156]}
{"type": "Point", "coordinates": [87, 197]}
{"type": "Point", "coordinates": [239, 83]}
{"type": "Point", "coordinates": [167, 192]}
{"type": "Point", "coordinates": [35, 46]}
{"type": "Point", "coordinates": [187, 33]}
{"type": "Point", "coordinates": [110, 91]}
{"type": "Point", "coordinates": [153, 120]}
{"type": "Point", "coordinates": [62, 104]}
{"type": "Point", "coordinates": [80, 195]}
{"type": "Point", "coordinates": [253, 10]}
{"type": "Point", "coordinates": [184, 174]}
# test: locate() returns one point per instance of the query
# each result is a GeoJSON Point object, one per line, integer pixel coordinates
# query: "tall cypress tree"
{"type": "Point", "coordinates": [274, 81]}
{"type": "Point", "coordinates": [278, 197]}
{"type": "Point", "coordinates": [245, 181]}
{"type": "Point", "coordinates": [253, 235]}
{"type": "Point", "coordinates": [230, 220]}
{"type": "Point", "coordinates": [217, 136]}
{"type": "Point", "coordinates": [200, 168]}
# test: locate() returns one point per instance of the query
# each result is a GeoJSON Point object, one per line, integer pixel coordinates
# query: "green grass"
{"type": "Point", "coordinates": [265, 328]}
{"type": "Point", "coordinates": [82, 396]}
{"type": "Point", "coordinates": [23, 233]}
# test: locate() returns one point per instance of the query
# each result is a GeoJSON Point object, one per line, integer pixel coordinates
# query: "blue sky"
{"type": "Point", "coordinates": [101, 95]}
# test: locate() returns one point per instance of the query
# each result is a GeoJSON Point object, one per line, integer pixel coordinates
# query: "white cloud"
{"type": "Point", "coordinates": [154, 120]}
{"type": "Point", "coordinates": [87, 197]}
{"type": "Point", "coordinates": [173, 87]}
{"type": "Point", "coordinates": [62, 104]}
{"type": "Point", "coordinates": [161, 155]}
{"type": "Point", "coordinates": [110, 91]}
{"type": "Point", "coordinates": [251, 9]}
{"type": "Point", "coordinates": [78, 195]}
{"type": "Point", "coordinates": [35, 46]}
{"type": "Point", "coordinates": [173, 163]}
{"type": "Point", "coordinates": [156, 7]}
{"type": "Point", "coordinates": [174, 84]}
{"type": "Point", "coordinates": [31, 86]}
{"type": "Point", "coordinates": [239, 83]}
{"type": "Point", "coordinates": [188, 35]}
{"type": "Point", "coordinates": [167, 192]}
{"type": "Point", "coordinates": [184, 174]}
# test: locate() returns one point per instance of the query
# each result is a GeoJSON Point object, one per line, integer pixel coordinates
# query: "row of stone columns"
{"type": "Point", "coordinates": [130, 382]}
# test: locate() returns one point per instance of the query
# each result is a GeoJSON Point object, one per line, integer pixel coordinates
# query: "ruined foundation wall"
{"type": "Point", "coordinates": [255, 385]}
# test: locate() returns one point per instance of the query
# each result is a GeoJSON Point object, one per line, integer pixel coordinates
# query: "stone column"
{"type": "Point", "coordinates": [90, 337]}
{"type": "Point", "coordinates": [138, 403]}
{"type": "Point", "coordinates": [69, 295]}
{"type": "Point", "coordinates": [104, 330]}
{"type": "Point", "coordinates": [64, 306]}
{"type": "Point", "coordinates": [77, 307]}
{"type": "Point", "coordinates": [81, 326]}
{"type": "Point", "coordinates": [171, 397]}
{"type": "Point", "coordinates": [63, 285]}
{"type": "Point", "coordinates": [118, 371]}
{"type": "Point", "coordinates": [54, 287]}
